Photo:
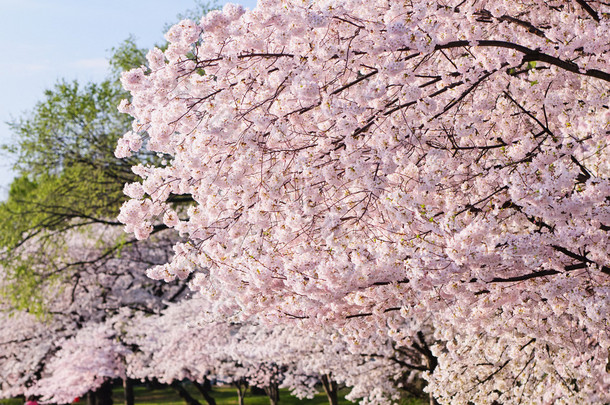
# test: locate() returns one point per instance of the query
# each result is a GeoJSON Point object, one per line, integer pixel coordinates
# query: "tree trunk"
{"type": "Point", "coordinates": [103, 395]}
{"type": "Point", "coordinates": [242, 386]}
{"type": "Point", "coordinates": [205, 390]}
{"type": "Point", "coordinates": [128, 390]}
{"type": "Point", "coordinates": [177, 386]}
{"type": "Point", "coordinates": [431, 359]}
{"type": "Point", "coordinates": [330, 388]}
{"type": "Point", "coordinates": [91, 398]}
{"type": "Point", "coordinates": [257, 391]}
{"type": "Point", "coordinates": [273, 392]}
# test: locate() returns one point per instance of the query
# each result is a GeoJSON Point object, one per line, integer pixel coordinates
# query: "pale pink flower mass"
{"type": "Point", "coordinates": [436, 165]}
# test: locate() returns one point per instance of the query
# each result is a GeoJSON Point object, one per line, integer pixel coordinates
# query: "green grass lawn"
{"type": "Point", "coordinates": [224, 395]}
{"type": "Point", "coordinates": [227, 395]}
{"type": "Point", "coordinates": [11, 401]}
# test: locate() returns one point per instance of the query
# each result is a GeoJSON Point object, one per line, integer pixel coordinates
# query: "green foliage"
{"type": "Point", "coordinates": [125, 57]}
{"type": "Point", "coordinates": [31, 223]}
{"type": "Point", "coordinates": [78, 195]}
{"type": "Point", "coordinates": [73, 124]}
{"type": "Point", "coordinates": [68, 177]}
{"type": "Point", "coordinates": [23, 289]}
{"type": "Point", "coordinates": [201, 8]}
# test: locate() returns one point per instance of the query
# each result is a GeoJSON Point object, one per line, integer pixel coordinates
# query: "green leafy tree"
{"type": "Point", "coordinates": [67, 175]}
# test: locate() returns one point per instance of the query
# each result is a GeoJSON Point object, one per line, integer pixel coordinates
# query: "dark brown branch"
{"type": "Point", "coordinates": [398, 361]}
{"type": "Point", "coordinates": [523, 277]}
{"type": "Point", "coordinates": [525, 24]}
{"type": "Point", "coordinates": [530, 55]}
{"type": "Point", "coordinates": [265, 55]}
{"type": "Point", "coordinates": [589, 9]}
{"type": "Point", "coordinates": [403, 281]}
{"type": "Point", "coordinates": [489, 377]}
{"type": "Point", "coordinates": [385, 311]}
{"type": "Point", "coordinates": [358, 80]}
{"type": "Point", "coordinates": [464, 94]}
{"type": "Point", "coordinates": [486, 17]}
{"type": "Point", "coordinates": [582, 258]}
{"type": "Point", "coordinates": [410, 103]}
{"type": "Point", "coordinates": [425, 350]}
{"type": "Point", "coordinates": [529, 114]}
{"type": "Point", "coordinates": [182, 288]}
{"type": "Point", "coordinates": [584, 173]}
{"type": "Point", "coordinates": [349, 22]}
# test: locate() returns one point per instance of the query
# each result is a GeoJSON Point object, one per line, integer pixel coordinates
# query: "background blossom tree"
{"type": "Point", "coordinates": [79, 334]}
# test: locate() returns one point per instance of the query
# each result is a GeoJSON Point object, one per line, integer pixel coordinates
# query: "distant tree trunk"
{"type": "Point", "coordinates": [205, 390]}
{"type": "Point", "coordinates": [330, 388]}
{"type": "Point", "coordinates": [242, 386]}
{"type": "Point", "coordinates": [128, 390]}
{"type": "Point", "coordinates": [273, 392]}
{"type": "Point", "coordinates": [154, 384]}
{"type": "Point", "coordinates": [431, 359]}
{"type": "Point", "coordinates": [257, 391]}
{"type": "Point", "coordinates": [177, 386]}
{"type": "Point", "coordinates": [103, 395]}
{"type": "Point", "coordinates": [91, 398]}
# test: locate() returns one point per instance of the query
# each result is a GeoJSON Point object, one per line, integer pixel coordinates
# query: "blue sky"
{"type": "Point", "coordinates": [42, 41]}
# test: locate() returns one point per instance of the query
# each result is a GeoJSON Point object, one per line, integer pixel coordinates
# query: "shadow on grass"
{"type": "Point", "coordinates": [224, 395]}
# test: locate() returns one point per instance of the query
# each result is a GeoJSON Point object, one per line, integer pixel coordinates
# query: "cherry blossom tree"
{"type": "Point", "coordinates": [173, 346]}
{"type": "Point", "coordinates": [352, 162]}
{"type": "Point", "coordinates": [81, 329]}
{"type": "Point", "coordinates": [376, 371]}
{"type": "Point", "coordinates": [176, 345]}
{"type": "Point", "coordinates": [88, 360]}
{"type": "Point", "coordinates": [26, 344]}
{"type": "Point", "coordinates": [60, 257]}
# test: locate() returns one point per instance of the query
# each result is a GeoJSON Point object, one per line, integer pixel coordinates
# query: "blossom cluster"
{"type": "Point", "coordinates": [354, 161]}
